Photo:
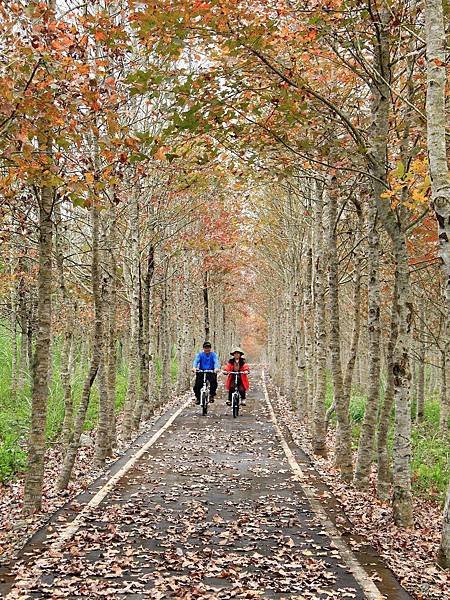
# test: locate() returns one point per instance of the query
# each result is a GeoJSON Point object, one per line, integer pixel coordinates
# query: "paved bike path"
{"type": "Point", "coordinates": [212, 510]}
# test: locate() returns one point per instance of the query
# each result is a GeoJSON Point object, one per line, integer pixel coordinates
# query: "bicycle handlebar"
{"type": "Point", "coordinates": [205, 370]}
{"type": "Point", "coordinates": [235, 372]}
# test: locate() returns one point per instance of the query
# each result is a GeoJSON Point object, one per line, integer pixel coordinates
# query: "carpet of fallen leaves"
{"type": "Point", "coordinates": [212, 511]}
{"type": "Point", "coordinates": [409, 553]}
{"type": "Point", "coordinates": [14, 529]}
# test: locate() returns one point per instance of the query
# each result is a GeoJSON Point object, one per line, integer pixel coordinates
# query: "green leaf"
{"type": "Point", "coordinates": [400, 170]}
{"type": "Point", "coordinates": [187, 120]}
{"type": "Point", "coordinates": [138, 157]}
{"type": "Point", "coordinates": [77, 200]}
{"type": "Point", "coordinates": [62, 142]}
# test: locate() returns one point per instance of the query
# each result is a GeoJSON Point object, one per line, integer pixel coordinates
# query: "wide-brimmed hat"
{"type": "Point", "coordinates": [237, 349]}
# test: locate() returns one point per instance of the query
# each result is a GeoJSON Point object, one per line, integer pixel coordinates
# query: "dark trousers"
{"type": "Point", "coordinates": [241, 389]}
{"type": "Point", "coordinates": [211, 377]}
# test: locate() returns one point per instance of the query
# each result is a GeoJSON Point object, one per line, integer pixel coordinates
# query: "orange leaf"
{"type": "Point", "coordinates": [160, 154]}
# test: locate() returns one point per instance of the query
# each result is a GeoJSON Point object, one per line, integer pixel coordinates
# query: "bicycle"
{"type": "Point", "coordinates": [204, 392]}
{"type": "Point", "coordinates": [235, 396]}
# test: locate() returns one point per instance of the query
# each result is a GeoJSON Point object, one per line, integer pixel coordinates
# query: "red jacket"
{"type": "Point", "coordinates": [229, 368]}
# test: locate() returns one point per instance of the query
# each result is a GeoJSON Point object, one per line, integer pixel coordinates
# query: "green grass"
{"type": "Point", "coordinates": [430, 461]}
{"type": "Point", "coordinates": [121, 387]}
{"type": "Point", "coordinates": [431, 454]}
{"type": "Point", "coordinates": [15, 413]}
{"type": "Point", "coordinates": [12, 457]}
{"type": "Point", "coordinates": [357, 407]}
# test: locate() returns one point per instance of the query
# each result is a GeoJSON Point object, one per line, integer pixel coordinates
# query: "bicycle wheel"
{"type": "Point", "coordinates": [204, 403]}
{"type": "Point", "coordinates": [235, 405]}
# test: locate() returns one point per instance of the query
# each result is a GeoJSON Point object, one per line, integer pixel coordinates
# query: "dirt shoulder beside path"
{"type": "Point", "coordinates": [367, 523]}
{"type": "Point", "coordinates": [212, 510]}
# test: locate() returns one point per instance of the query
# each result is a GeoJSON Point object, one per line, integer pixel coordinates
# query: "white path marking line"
{"type": "Point", "coordinates": [370, 589]}
{"type": "Point", "coordinates": [73, 527]}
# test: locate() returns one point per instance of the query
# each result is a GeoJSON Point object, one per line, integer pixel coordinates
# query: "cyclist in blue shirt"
{"type": "Point", "coordinates": [206, 361]}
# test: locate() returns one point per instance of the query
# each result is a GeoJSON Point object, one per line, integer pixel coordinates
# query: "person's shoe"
{"type": "Point", "coordinates": [243, 402]}
{"type": "Point", "coordinates": [211, 399]}
{"type": "Point", "coordinates": [228, 403]}
{"type": "Point", "coordinates": [197, 401]}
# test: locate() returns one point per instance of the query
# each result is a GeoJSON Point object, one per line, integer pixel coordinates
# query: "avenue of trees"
{"type": "Point", "coordinates": [172, 170]}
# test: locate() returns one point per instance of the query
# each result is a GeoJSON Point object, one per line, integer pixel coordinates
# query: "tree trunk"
{"type": "Point", "coordinates": [444, 548]}
{"type": "Point", "coordinates": [32, 501]}
{"type": "Point", "coordinates": [366, 439]}
{"type": "Point", "coordinates": [134, 294]}
{"type": "Point", "coordinates": [67, 311]}
{"type": "Point", "coordinates": [165, 388]}
{"type": "Point", "coordinates": [440, 188]}
{"type": "Point", "coordinates": [301, 390]}
{"type": "Point", "coordinates": [112, 354]}
{"type": "Point", "coordinates": [420, 388]}
{"type": "Point", "coordinates": [143, 405]}
{"type": "Point", "coordinates": [354, 344]}
{"type": "Point", "coordinates": [30, 333]}
{"type": "Point", "coordinates": [290, 333]}
{"type": "Point", "coordinates": [445, 393]}
{"type": "Point", "coordinates": [66, 363]}
{"type": "Point", "coordinates": [308, 327]}
{"type": "Point", "coordinates": [184, 354]}
{"type": "Point", "coordinates": [206, 304]}
{"type": "Point", "coordinates": [69, 459]}
{"type": "Point", "coordinates": [104, 412]}
{"type": "Point", "coordinates": [23, 366]}
{"type": "Point", "coordinates": [343, 452]}
{"type": "Point", "coordinates": [437, 119]}
{"type": "Point", "coordinates": [402, 501]}
{"type": "Point", "coordinates": [13, 319]}
{"type": "Point", "coordinates": [384, 479]}
{"type": "Point", "coordinates": [319, 433]}
{"type": "Point", "coordinates": [71, 454]}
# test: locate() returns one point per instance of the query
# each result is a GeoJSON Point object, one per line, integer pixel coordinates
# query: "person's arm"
{"type": "Point", "coordinates": [196, 362]}
{"type": "Point", "coordinates": [216, 362]}
{"type": "Point", "coordinates": [246, 368]}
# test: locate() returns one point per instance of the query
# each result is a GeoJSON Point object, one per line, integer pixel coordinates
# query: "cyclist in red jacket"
{"type": "Point", "coordinates": [237, 363]}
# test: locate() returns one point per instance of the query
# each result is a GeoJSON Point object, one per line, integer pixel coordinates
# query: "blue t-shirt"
{"type": "Point", "coordinates": [206, 362]}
